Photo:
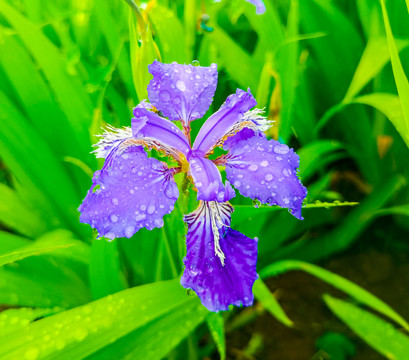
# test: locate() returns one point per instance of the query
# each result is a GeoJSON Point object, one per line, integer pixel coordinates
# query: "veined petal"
{"type": "Point", "coordinates": [220, 263]}
{"type": "Point", "coordinates": [131, 192]}
{"type": "Point", "coordinates": [208, 181]}
{"type": "Point", "coordinates": [159, 133]}
{"type": "Point", "coordinates": [266, 170]}
{"type": "Point", "coordinates": [182, 92]}
{"type": "Point", "coordinates": [260, 6]}
{"type": "Point", "coordinates": [223, 121]}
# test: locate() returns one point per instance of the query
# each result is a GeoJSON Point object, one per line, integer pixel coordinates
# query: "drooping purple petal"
{"type": "Point", "coordinates": [131, 192]}
{"type": "Point", "coordinates": [220, 123]}
{"type": "Point", "coordinates": [182, 92]}
{"type": "Point", "coordinates": [220, 263]}
{"type": "Point", "coordinates": [266, 170]}
{"type": "Point", "coordinates": [159, 132]}
{"type": "Point", "coordinates": [208, 181]}
{"type": "Point", "coordinates": [260, 6]}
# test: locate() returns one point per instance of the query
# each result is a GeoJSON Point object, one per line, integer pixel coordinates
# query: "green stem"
{"type": "Point", "coordinates": [139, 17]}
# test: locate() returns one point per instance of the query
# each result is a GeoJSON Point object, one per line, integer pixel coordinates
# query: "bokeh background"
{"type": "Point", "coordinates": [333, 76]}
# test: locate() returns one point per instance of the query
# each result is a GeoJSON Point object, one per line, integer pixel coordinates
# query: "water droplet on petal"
{"type": "Point", "coordinates": [264, 163]}
{"type": "Point", "coordinates": [286, 172]}
{"type": "Point", "coordinates": [237, 184]}
{"type": "Point", "coordinates": [158, 222]}
{"type": "Point", "coordinates": [142, 207]}
{"type": "Point", "coordinates": [151, 209]}
{"type": "Point", "coordinates": [268, 177]}
{"type": "Point", "coordinates": [180, 84]}
{"type": "Point", "coordinates": [281, 149]}
{"type": "Point", "coordinates": [164, 95]}
{"type": "Point", "coordinates": [115, 201]}
{"type": "Point", "coordinates": [113, 218]}
{"type": "Point", "coordinates": [140, 217]}
{"type": "Point", "coordinates": [129, 231]}
{"type": "Point", "coordinates": [253, 167]}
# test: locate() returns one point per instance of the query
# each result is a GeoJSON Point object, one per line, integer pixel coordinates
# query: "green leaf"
{"type": "Point", "coordinates": [35, 248]}
{"type": "Point", "coordinates": [158, 337]}
{"type": "Point", "coordinates": [270, 303]}
{"type": "Point", "coordinates": [105, 269]}
{"type": "Point", "coordinates": [390, 106]}
{"type": "Point", "coordinates": [215, 323]}
{"type": "Point", "coordinates": [353, 290]}
{"type": "Point", "coordinates": [16, 319]}
{"type": "Point", "coordinates": [376, 332]}
{"type": "Point", "coordinates": [238, 63]}
{"type": "Point", "coordinates": [401, 80]}
{"type": "Point", "coordinates": [374, 58]}
{"type": "Point", "coordinates": [17, 215]}
{"type": "Point", "coordinates": [81, 331]}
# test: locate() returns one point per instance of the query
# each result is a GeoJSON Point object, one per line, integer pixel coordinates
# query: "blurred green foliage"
{"type": "Point", "coordinates": [330, 73]}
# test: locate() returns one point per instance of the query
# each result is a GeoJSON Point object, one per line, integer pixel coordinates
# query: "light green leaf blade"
{"type": "Point", "coordinates": [270, 303]}
{"type": "Point", "coordinates": [105, 269]}
{"type": "Point", "coordinates": [390, 106]}
{"type": "Point", "coordinates": [35, 248]}
{"type": "Point", "coordinates": [353, 290]}
{"type": "Point", "coordinates": [81, 331]}
{"type": "Point", "coordinates": [16, 319]}
{"type": "Point", "coordinates": [379, 334]}
{"type": "Point", "coordinates": [215, 323]}
{"type": "Point", "coordinates": [401, 80]}
{"type": "Point", "coordinates": [374, 58]}
{"type": "Point", "coordinates": [156, 339]}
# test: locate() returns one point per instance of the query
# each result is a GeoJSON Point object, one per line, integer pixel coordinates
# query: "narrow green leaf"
{"type": "Point", "coordinates": [17, 215]}
{"type": "Point", "coordinates": [16, 319]}
{"type": "Point", "coordinates": [353, 290]}
{"type": "Point", "coordinates": [35, 248]}
{"type": "Point", "coordinates": [215, 323]}
{"type": "Point", "coordinates": [105, 269]}
{"type": "Point", "coordinates": [374, 58]}
{"type": "Point", "coordinates": [379, 334]}
{"type": "Point", "coordinates": [270, 303]}
{"type": "Point", "coordinates": [401, 80]}
{"type": "Point", "coordinates": [390, 106]}
{"type": "Point", "coordinates": [81, 331]}
{"type": "Point", "coordinates": [157, 338]}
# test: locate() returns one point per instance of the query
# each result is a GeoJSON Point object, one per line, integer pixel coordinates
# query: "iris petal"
{"type": "Point", "coordinates": [221, 122]}
{"type": "Point", "coordinates": [182, 92]}
{"type": "Point", "coordinates": [208, 180]}
{"type": "Point", "coordinates": [218, 285]}
{"type": "Point", "coordinates": [266, 170]}
{"type": "Point", "coordinates": [159, 132]}
{"type": "Point", "coordinates": [131, 192]}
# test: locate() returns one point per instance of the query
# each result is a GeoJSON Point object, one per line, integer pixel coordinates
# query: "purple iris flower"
{"type": "Point", "coordinates": [134, 191]}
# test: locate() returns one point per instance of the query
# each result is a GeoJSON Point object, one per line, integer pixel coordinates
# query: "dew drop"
{"type": "Point", "coordinates": [180, 84]}
{"type": "Point", "coordinates": [129, 231]}
{"type": "Point", "coordinates": [240, 176]}
{"type": "Point", "coordinates": [199, 184]}
{"type": "Point", "coordinates": [158, 222]}
{"type": "Point", "coordinates": [281, 149]}
{"type": "Point", "coordinates": [268, 177]}
{"type": "Point", "coordinates": [164, 95]}
{"type": "Point", "coordinates": [142, 207]}
{"type": "Point", "coordinates": [114, 218]}
{"type": "Point", "coordinates": [286, 200]}
{"type": "Point", "coordinates": [115, 201]}
{"type": "Point", "coordinates": [253, 167]}
{"type": "Point", "coordinates": [264, 163]}
{"type": "Point", "coordinates": [151, 209]}
{"type": "Point", "coordinates": [237, 184]}
{"type": "Point", "coordinates": [286, 172]}
{"type": "Point", "coordinates": [140, 217]}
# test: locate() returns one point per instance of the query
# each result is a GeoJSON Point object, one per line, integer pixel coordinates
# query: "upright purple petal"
{"type": "Point", "coordinates": [159, 132]}
{"type": "Point", "coordinates": [182, 92]}
{"type": "Point", "coordinates": [266, 170]}
{"type": "Point", "coordinates": [260, 6]}
{"type": "Point", "coordinates": [221, 122]}
{"type": "Point", "coordinates": [220, 263]}
{"type": "Point", "coordinates": [131, 192]}
{"type": "Point", "coordinates": [208, 180]}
